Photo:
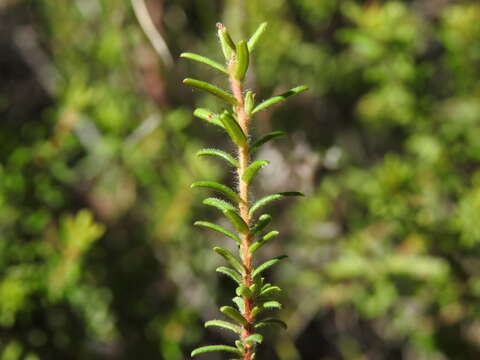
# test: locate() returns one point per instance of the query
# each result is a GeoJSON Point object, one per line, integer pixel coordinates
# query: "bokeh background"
{"type": "Point", "coordinates": [98, 255]}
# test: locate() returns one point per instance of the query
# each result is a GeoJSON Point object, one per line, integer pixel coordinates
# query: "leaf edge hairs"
{"type": "Point", "coordinates": [254, 295]}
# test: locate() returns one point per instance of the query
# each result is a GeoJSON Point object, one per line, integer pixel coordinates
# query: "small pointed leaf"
{"type": "Point", "coordinates": [240, 303]}
{"type": "Point", "coordinates": [212, 89]}
{"type": "Point", "coordinates": [209, 116]}
{"type": "Point", "coordinates": [276, 99]}
{"type": "Point", "coordinates": [233, 129]}
{"type": "Point", "coordinates": [219, 153]}
{"type": "Point", "coordinates": [237, 221]}
{"type": "Point", "coordinates": [258, 244]}
{"type": "Point", "coordinates": [225, 190]}
{"type": "Point", "coordinates": [234, 314]}
{"type": "Point", "coordinates": [253, 169]}
{"type": "Point", "coordinates": [228, 46]}
{"type": "Point", "coordinates": [270, 322]}
{"type": "Point", "coordinates": [267, 264]}
{"type": "Point", "coordinates": [249, 102]}
{"type": "Point", "coordinates": [223, 324]}
{"type": "Point", "coordinates": [273, 135]}
{"type": "Point", "coordinates": [272, 305]}
{"type": "Point", "coordinates": [242, 60]}
{"type": "Point", "coordinates": [254, 338]}
{"type": "Point", "coordinates": [219, 204]}
{"type": "Point", "coordinates": [269, 198]}
{"type": "Point", "coordinates": [270, 291]}
{"type": "Point", "coordinates": [210, 348]}
{"type": "Point", "coordinates": [232, 260]}
{"type": "Point", "coordinates": [218, 228]}
{"type": "Point", "coordinates": [239, 345]}
{"type": "Point", "coordinates": [230, 273]}
{"type": "Point", "coordinates": [262, 222]}
{"type": "Point", "coordinates": [243, 291]}
{"type": "Point", "coordinates": [204, 60]}
{"type": "Point", "coordinates": [256, 36]}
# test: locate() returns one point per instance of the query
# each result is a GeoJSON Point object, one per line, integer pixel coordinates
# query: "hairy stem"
{"type": "Point", "coordinates": [244, 159]}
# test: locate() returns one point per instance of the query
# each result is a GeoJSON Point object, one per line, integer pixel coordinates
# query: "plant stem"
{"type": "Point", "coordinates": [243, 160]}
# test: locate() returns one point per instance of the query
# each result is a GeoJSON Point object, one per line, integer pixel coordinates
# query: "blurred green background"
{"type": "Point", "coordinates": [98, 255]}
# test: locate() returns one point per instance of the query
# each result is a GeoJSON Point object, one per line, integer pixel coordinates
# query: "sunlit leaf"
{"type": "Point", "coordinates": [210, 348]}
{"type": "Point", "coordinates": [230, 273]}
{"type": "Point", "coordinates": [225, 190]}
{"type": "Point", "coordinates": [237, 221]}
{"type": "Point", "coordinates": [276, 99]}
{"type": "Point", "coordinates": [256, 36]}
{"type": "Point", "coordinates": [218, 228]}
{"type": "Point", "coordinates": [209, 116]}
{"type": "Point", "coordinates": [262, 222]}
{"type": "Point", "coordinates": [233, 129]}
{"type": "Point", "coordinates": [264, 139]}
{"type": "Point", "coordinates": [219, 153]}
{"type": "Point", "coordinates": [258, 244]}
{"type": "Point", "coordinates": [231, 259]}
{"type": "Point", "coordinates": [204, 60]}
{"type": "Point", "coordinates": [242, 60]}
{"type": "Point", "coordinates": [267, 264]}
{"type": "Point", "coordinates": [212, 89]}
{"type": "Point", "coordinates": [234, 314]}
{"type": "Point", "coordinates": [254, 338]}
{"type": "Point", "coordinates": [223, 324]}
{"type": "Point", "coordinates": [219, 204]}
{"type": "Point", "coordinates": [269, 198]}
{"type": "Point", "coordinates": [253, 169]}
{"type": "Point", "coordinates": [270, 322]}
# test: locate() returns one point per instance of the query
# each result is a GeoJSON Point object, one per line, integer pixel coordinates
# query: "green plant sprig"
{"type": "Point", "coordinates": [254, 295]}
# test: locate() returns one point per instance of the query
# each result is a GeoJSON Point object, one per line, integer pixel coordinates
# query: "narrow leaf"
{"type": "Point", "coordinates": [209, 116]}
{"type": "Point", "coordinates": [241, 64]}
{"type": "Point", "coordinates": [254, 338]}
{"type": "Point", "coordinates": [272, 305]}
{"type": "Point", "coordinates": [219, 153]}
{"type": "Point", "coordinates": [270, 291]}
{"type": "Point", "coordinates": [218, 228]}
{"type": "Point", "coordinates": [230, 273]}
{"type": "Point", "coordinates": [269, 198]}
{"type": "Point", "coordinates": [233, 314]}
{"type": "Point", "coordinates": [270, 322]}
{"type": "Point", "coordinates": [233, 129]}
{"type": "Point", "coordinates": [267, 264]}
{"type": "Point", "coordinates": [273, 135]}
{"type": "Point", "coordinates": [249, 102]}
{"type": "Point", "coordinates": [262, 222]}
{"type": "Point", "coordinates": [219, 204]}
{"type": "Point", "coordinates": [243, 290]}
{"type": "Point", "coordinates": [256, 36]}
{"type": "Point", "coordinates": [237, 221]}
{"type": "Point", "coordinates": [276, 99]}
{"type": "Point", "coordinates": [225, 190]}
{"type": "Point", "coordinates": [223, 324]}
{"type": "Point", "coordinates": [240, 303]}
{"type": "Point", "coordinates": [253, 169]}
{"type": "Point", "coordinates": [228, 46]}
{"type": "Point", "coordinates": [204, 60]}
{"type": "Point", "coordinates": [239, 345]}
{"type": "Point", "coordinates": [210, 348]}
{"type": "Point", "coordinates": [212, 89]}
{"type": "Point", "coordinates": [258, 244]}
{"type": "Point", "coordinates": [232, 260]}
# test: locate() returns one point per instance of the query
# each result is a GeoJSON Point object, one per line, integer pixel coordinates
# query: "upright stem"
{"type": "Point", "coordinates": [243, 160]}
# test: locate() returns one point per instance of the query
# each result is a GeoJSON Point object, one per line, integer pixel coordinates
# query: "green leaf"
{"type": "Point", "coordinates": [223, 324]}
{"type": "Point", "coordinates": [267, 264]}
{"type": "Point", "coordinates": [225, 190]}
{"type": "Point", "coordinates": [232, 260]}
{"type": "Point", "coordinates": [219, 153]}
{"type": "Point", "coordinates": [276, 99]}
{"type": "Point", "coordinates": [272, 305]}
{"type": "Point", "coordinates": [228, 46]}
{"type": "Point", "coordinates": [262, 222]}
{"type": "Point", "coordinates": [243, 57]}
{"type": "Point", "coordinates": [249, 102]}
{"type": "Point", "coordinates": [210, 348]}
{"type": "Point", "coordinates": [254, 338]}
{"type": "Point", "coordinates": [240, 303]}
{"type": "Point", "coordinates": [270, 291]}
{"type": "Point", "coordinates": [218, 228]}
{"type": "Point", "coordinates": [253, 169]}
{"type": "Point", "coordinates": [212, 89]}
{"type": "Point", "coordinates": [258, 244]}
{"type": "Point", "coordinates": [269, 198]}
{"type": "Point", "coordinates": [233, 129]}
{"type": "Point", "coordinates": [230, 273]}
{"type": "Point", "coordinates": [243, 290]}
{"type": "Point", "coordinates": [209, 116]}
{"type": "Point", "coordinates": [256, 36]}
{"type": "Point", "coordinates": [273, 135]}
{"type": "Point", "coordinates": [239, 345]}
{"type": "Point", "coordinates": [270, 322]}
{"type": "Point", "coordinates": [204, 60]}
{"type": "Point", "coordinates": [234, 314]}
{"type": "Point", "coordinates": [237, 221]}
{"type": "Point", "coordinates": [219, 204]}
